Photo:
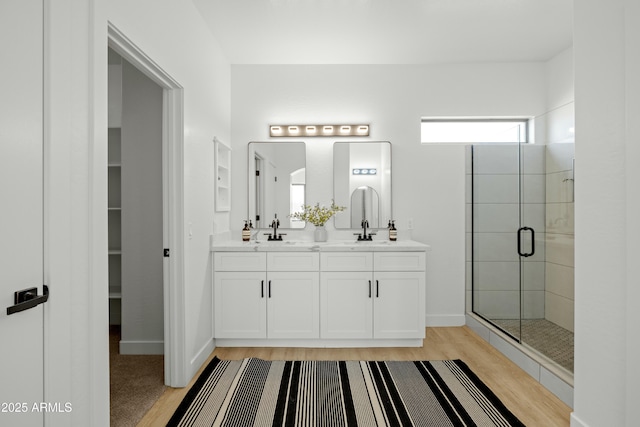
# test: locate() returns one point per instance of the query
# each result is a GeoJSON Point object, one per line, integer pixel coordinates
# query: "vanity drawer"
{"type": "Point", "coordinates": [293, 261]}
{"type": "Point", "coordinates": [346, 261]}
{"type": "Point", "coordinates": [240, 261]}
{"type": "Point", "coordinates": [399, 261]}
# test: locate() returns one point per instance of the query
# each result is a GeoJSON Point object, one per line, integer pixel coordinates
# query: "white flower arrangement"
{"type": "Point", "coordinates": [317, 215]}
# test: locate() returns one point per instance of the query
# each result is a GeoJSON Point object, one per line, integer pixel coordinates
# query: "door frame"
{"type": "Point", "coordinates": [175, 364]}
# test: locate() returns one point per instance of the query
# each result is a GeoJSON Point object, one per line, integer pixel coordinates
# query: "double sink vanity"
{"type": "Point", "coordinates": [308, 294]}
{"type": "Point", "coordinates": [331, 294]}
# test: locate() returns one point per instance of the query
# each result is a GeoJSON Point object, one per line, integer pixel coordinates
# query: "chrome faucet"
{"type": "Point", "coordinates": [275, 236]}
{"type": "Point", "coordinates": [364, 236]}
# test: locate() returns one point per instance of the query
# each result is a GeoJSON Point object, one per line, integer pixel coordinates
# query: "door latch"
{"type": "Point", "coordinates": [28, 298]}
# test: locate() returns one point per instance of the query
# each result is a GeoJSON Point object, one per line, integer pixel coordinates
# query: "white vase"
{"type": "Point", "coordinates": [320, 234]}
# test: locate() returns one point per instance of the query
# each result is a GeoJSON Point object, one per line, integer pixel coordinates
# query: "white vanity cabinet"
{"type": "Point", "coordinates": [272, 295]}
{"type": "Point", "coordinates": [372, 295]}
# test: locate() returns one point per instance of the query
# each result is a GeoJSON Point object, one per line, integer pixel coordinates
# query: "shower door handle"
{"type": "Point", "coordinates": [533, 242]}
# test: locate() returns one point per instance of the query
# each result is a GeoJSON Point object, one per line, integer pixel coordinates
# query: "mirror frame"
{"type": "Point", "coordinates": [383, 223]}
{"type": "Point", "coordinates": [250, 186]}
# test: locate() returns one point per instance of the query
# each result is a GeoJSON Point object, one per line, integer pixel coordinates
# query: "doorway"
{"type": "Point", "coordinates": [259, 185]}
{"type": "Point", "coordinates": [135, 222]}
{"type": "Point", "coordinates": [175, 365]}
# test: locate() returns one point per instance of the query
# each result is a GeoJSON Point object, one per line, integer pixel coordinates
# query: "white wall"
{"type": "Point", "coordinates": [174, 35]}
{"type": "Point", "coordinates": [607, 99]}
{"type": "Point", "coordinates": [428, 181]}
{"type": "Point", "coordinates": [76, 361]}
{"type": "Point", "coordinates": [142, 216]}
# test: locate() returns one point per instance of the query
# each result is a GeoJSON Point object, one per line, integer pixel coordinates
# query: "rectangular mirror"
{"type": "Point", "coordinates": [276, 181]}
{"type": "Point", "coordinates": [362, 183]}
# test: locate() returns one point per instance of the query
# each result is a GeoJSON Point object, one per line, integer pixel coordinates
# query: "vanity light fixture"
{"type": "Point", "coordinates": [318, 130]}
{"type": "Point", "coordinates": [364, 171]}
{"type": "Point", "coordinates": [275, 130]}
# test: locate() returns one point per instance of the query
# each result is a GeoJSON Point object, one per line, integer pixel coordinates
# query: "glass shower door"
{"type": "Point", "coordinates": [496, 219]}
{"type": "Point", "coordinates": [522, 244]}
{"type": "Point", "coordinates": [547, 275]}
{"type": "Point", "coordinates": [531, 241]}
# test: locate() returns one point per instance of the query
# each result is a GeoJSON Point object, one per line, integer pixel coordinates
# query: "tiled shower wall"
{"type": "Point", "coordinates": [496, 216]}
{"type": "Point", "coordinates": [559, 293]}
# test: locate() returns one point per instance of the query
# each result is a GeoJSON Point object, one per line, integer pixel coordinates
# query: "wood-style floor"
{"type": "Point", "coordinates": [525, 397]}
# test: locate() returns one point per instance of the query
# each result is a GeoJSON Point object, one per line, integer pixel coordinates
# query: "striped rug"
{"type": "Point", "coordinates": [255, 392]}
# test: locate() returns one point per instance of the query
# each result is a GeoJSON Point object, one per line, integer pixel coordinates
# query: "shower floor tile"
{"type": "Point", "coordinates": [544, 336]}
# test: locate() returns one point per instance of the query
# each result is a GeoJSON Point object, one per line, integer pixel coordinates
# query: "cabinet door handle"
{"type": "Point", "coordinates": [369, 288]}
{"type": "Point", "coordinates": [269, 288]}
{"type": "Point", "coordinates": [262, 289]}
{"type": "Point", "coordinates": [377, 289]}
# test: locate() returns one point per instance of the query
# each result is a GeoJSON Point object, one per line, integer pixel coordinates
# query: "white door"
{"type": "Point", "coordinates": [293, 304]}
{"type": "Point", "coordinates": [21, 211]}
{"type": "Point", "coordinates": [398, 304]}
{"type": "Point", "coordinates": [240, 304]}
{"type": "Point", "coordinates": [346, 304]}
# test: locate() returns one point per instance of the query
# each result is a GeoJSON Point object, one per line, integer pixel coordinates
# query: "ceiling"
{"type": "Point", "coordinates": [388, 31]}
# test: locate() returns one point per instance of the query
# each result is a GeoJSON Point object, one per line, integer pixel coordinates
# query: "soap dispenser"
{"type": "Point", "coordinates": [246, 232]}
{"type": "Point", "coordinates": [393, 233]}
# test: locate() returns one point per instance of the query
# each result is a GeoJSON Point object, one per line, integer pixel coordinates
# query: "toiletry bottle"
{"type": "Point", "coordinates": [246, 232]}
{"type": "Point", "coordinates": [393, 233]}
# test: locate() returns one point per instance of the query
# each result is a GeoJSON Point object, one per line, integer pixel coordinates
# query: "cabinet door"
{"type": "Point", "coordinates": [240, 304]}
{"type": "Point", "coordinates": [399, 305]}
{"type": "Point", "coordinates": [293, 305]}
{"type": "Point", "coordinates": [346, 301]}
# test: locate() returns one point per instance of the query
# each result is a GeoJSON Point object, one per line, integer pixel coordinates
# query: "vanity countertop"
{"type": "Point", "coordinates": [331, 246]}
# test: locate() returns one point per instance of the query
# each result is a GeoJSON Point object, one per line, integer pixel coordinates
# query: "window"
{"type": "Point", "coordinates": [472, 131]}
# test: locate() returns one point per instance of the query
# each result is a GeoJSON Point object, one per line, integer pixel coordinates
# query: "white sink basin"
{"type": "Point", "coordinates": [368, 242]}
{"type": "Point", "coordinates": [280, 243]}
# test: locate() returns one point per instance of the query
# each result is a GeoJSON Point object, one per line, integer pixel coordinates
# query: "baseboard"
{"type": "Point", "coordinates": [200, 357]}
{"type": "Point", "coordinates": [141, 347]}
{"type": "Point", "coordinates": [577, 422]}
{"type": "Point", "coordinates": [434, 320]}
{"type": "Point", "coordinates": [557, 382]}
{"type": "Point", "coordinates": [320, 343]}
